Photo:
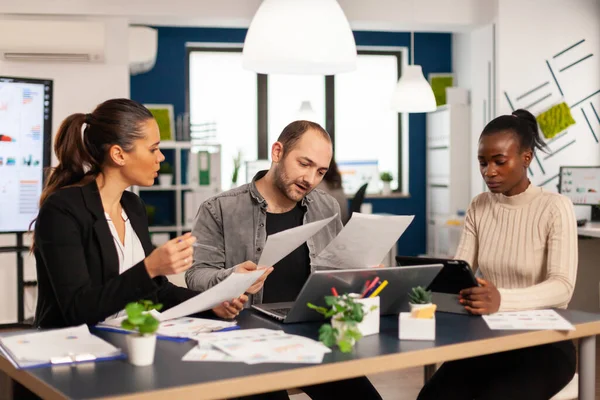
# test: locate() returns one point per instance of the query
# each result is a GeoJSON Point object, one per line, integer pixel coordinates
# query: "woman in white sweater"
{"type": "Point", "coordinates": [522, 241]}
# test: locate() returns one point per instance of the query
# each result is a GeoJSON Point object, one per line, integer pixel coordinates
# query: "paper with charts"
{"type": "Point", "coordinates": [256, 346]}
{"type": "Point", "coordinates": [364, 241]}
{"type": "Point", "coordinates": [228, 289]}
{"type": "Point", "coordinates": [528, 320]}
{"type": "Point", "coordinates": [184, 327]}
{"type": "Point", "coordinates": [283, 243]}
{"type": "Point", "coordinates": [45, 346]}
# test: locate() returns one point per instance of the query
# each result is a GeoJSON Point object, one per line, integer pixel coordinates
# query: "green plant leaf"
{"type": "Point", "coordinates": [150, 325]}
{"type": "Point", "coordinates": [125, 324]}
{"type": "Point", "coordinates": [345, 346]}
{"type": "Point", "coordinates": [321, 310]}
{"type": "Point", "coordinates": [133, 310]}
{"type": "Point", "coordinates": [327, 335]}
{"type": "Point", "coordinates": [354, 333]}
{"type": "Point", "coordinates": [331, 300]}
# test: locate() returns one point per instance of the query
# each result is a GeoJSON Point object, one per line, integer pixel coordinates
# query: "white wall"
{"type": "Point", "coordinates": [389, 15]}
{"type": "Point", "coordinates": [77, 88]}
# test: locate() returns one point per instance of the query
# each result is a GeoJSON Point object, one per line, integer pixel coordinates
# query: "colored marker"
{"type": "Point", "coordinates": [371, 286]}
{"type": "Point", "coordinates": [334, 292]}
{"type": "Point", "coordinates": [379, 289]}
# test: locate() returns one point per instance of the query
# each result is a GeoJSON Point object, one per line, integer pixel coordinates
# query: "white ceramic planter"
{"type": "Point", "coordinates": [141, 349]}
{"type": "Point", "coordinates": [165, 180]}
{"type": "Point", "coordinates": [387, 189]}
{"type": "Point", "coordinates": [410, 328]}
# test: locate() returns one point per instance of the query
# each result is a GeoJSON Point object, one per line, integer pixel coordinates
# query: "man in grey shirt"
{"type": "Point", "coordinates": [233, 227]}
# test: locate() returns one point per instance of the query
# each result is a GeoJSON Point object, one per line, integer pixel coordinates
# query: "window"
{"type": "Point", "coordinates": [249, 111]}
{"type": "Point", "coordinates": [223, 106]}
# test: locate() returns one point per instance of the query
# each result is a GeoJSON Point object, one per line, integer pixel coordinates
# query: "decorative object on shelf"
{"type": "Point", "coordinates": [419, 297]}
{"type": "Point", "coordinates": [419, 323]}
{"type": "Point", "coordinates": [142, 343]}
{"type": "Point", "coordinates": [165, 175]}
{"type": "Point", "coordinates": [413, 93]}
{"type": "Point", "coordinates": [280, 40]}
{"type": "Point", "coordinates": [439, 82]}
{"type": "Point", "coordinates": [387, 179]}
{"type": "Point", "coordinates": [237, 163]}
{"type": "Point", "coordinates": [164, 116]}
{"type": "Point", "coordinates": [555, 120]}
{"type": "Point", "coordinates": [150, 212]}
{"type": "Point", "coordinates": [347, 312]}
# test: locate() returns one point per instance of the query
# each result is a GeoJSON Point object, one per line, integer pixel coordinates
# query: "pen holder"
{"type": "Point", "coordinates": [370, 322]}
{"type": "Point", "coordinates": [411, 328]}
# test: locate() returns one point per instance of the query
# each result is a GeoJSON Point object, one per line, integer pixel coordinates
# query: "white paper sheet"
{"type": "Point", "coordinates": [46, 345]}
{"type": "Point", "coordinates": [364, 241]}
{"type": "Point", "coordinates": [283, 243]}
{"type": "Point", "coordinates": [185, 327]}
{"type": "Point", "coordinates": [230, 288]}
{"type": "Point", "coordinates": [528, 320]}
{"type": "Point", "coordinates": [200, 354]}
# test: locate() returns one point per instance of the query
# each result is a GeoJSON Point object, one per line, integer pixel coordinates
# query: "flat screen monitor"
{"type": "Point", "coordinates": [580, 184]}
{"type": "Point", "coordinates": [25, 135]}
{"type": "Point", "coordinates": [357, 173]}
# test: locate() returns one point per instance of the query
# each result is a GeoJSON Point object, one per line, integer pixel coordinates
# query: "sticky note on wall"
{"type": "Point", "coordinates": [555, 120]}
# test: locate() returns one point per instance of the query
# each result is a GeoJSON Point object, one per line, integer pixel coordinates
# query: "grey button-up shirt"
{"type": "Point", "coordinates": [230, 229]}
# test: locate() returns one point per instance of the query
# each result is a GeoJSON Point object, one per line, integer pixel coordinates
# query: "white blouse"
{"type": "Point", "coordinates": [131, 252]}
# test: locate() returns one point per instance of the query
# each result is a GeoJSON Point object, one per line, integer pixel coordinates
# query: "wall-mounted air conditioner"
{"type": "Point", "coordinates": [143, 46]}
{"type": "Point", "coordinates": [44, 40]}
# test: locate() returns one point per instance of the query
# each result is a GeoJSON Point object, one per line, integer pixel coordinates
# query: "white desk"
{"type": "Point", "coordinates": [591, 229]}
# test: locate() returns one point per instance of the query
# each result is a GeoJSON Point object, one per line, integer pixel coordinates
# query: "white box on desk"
{"type": "Point", "coordinates": [370, 322]}
{"type": "Point", "coordinates": [410, 328]}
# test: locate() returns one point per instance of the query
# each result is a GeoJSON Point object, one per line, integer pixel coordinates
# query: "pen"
{"type": "Point", "coordinates": [365, 286]}
{"type": "Point", "coordinates": [334, 292]}
{"type": "Point", "coordinates": [379, 289]}
{"type": "Point", "coordinates": [371, 286]}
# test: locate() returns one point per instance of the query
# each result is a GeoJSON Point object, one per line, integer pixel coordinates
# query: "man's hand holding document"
{"type": "Point", "coordinates": [364, 241]}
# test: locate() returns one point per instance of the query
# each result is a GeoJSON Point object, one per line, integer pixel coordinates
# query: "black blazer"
{"type": "Point", "coordinates": [78, 266]}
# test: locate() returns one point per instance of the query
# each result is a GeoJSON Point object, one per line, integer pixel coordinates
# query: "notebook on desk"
{"type": "Point", "coordinates": [57, 346]}
{"type": "Point", "coordinates": [392, 300]}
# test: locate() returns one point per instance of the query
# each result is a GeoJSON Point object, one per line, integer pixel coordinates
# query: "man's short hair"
{"type": "Point", "coordinates": [294, 131]}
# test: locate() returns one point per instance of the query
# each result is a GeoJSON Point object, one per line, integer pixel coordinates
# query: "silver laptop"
{"type": "Point", "coordinates": [393, 299]}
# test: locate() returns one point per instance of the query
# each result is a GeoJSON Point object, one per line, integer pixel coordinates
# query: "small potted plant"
{"type": "Point", "coordinates": [165, 175]}
{"type": "Point", "coordinates": [387, 179]}
{"type": "Point", "coordinates": [346, 314]}
{"type": "Point", "coordinates": [237, 163]}
{"type": "Point", "coordinates": [141, 343]}
{"type": "Point", "coordinates": [419, 297]}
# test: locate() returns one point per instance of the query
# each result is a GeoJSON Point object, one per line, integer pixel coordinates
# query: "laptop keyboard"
{"type": "Point", "coordinates": [281, 311]}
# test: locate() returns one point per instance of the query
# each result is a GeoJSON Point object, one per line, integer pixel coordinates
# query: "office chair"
{"type": "Point", "coordinates": [357, 200]}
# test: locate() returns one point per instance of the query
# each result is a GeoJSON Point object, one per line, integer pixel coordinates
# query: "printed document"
{"type": "Point", "coordinates": [230, 288]}
{"type": "Point", "coordinates": [283, 243]}
{"type": "Point", "coordinates": [528, 320]}
{"type": "Point", "coordinates": [364, 241]}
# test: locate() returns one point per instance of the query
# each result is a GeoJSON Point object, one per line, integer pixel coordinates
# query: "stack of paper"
{"type": "Point", "coordinates": [256, 346]}
{"type": "Point", "coordinates": [528, 320]}
{"type": "Point", "coordinates": [184, 327]}
{"type": "Point", "coordinates": [68, 345]}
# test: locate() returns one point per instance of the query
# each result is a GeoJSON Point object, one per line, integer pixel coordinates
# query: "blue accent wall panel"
{"type": "Point", "coordinates": [166, 83]}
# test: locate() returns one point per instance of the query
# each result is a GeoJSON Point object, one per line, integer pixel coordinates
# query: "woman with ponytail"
{"type": "Point", "coordinates": [522, 242]}
{"type": "Point", "coordinates": [91, 242]}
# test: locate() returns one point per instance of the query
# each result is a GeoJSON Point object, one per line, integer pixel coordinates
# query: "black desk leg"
{"type": "Point", "coordinates": [428, 371]}
{"type": "Point", "coordinates": [20, 392]}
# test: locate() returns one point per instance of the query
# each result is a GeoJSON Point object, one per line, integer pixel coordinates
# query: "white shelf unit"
{"type": "Point", "coordinates": [449, 157]}
{"type": "Point", "coordinates": [177, 188]}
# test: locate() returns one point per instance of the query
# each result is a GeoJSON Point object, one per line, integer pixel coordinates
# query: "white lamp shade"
{"type": "Point", "coordinates": [413, 93]}
{"type": "Point", "coordinates": [299, 37]}
{"type": "Point", "coordinates": [306, 112]}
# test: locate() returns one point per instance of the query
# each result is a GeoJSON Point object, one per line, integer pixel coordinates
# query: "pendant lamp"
{"type": "Point", "coordinates": [413, 93]}
{"type": "Point", "coordinates": [306, 112]}
{"type": "Point", "coordinates": [299, 37]}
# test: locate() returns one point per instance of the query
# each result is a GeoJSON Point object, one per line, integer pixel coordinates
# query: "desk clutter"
{"type": "Point", "coordinates": [257, 346]}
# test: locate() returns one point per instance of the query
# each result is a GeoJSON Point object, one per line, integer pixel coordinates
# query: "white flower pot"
{"type": "Point", "coordinates": [165, 180]}
{"type": "Point", "coordinates": [418, 306]}
{"type": "Point", "coordinates": [141, 349]}
{"type": "Point", "coordinates": [387, 189]}
{"type": "Point", "coordinates": [342, 327]}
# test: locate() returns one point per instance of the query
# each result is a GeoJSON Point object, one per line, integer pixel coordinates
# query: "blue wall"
{"type": "Point", "coordinates": [166, 83]}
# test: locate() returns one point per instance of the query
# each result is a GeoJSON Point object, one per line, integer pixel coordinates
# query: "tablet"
{"type": "Point", "coordinates": [455, 276]}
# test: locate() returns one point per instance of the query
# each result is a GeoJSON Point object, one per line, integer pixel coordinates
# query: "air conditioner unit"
{"type": "Point", "coordinates": [44, 40]}
{"type": "Point", "coordinates": [143, 46]}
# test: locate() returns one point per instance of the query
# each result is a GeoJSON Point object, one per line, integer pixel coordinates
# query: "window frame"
{"type": "Point", "coordinates": [262, 100]}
